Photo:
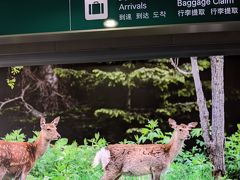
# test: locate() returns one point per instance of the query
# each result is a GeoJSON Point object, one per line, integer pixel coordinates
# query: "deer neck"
{"type": "Point", "coordinates": [175, 146]}
{"type": "Point", "coordinates": [41, 145]}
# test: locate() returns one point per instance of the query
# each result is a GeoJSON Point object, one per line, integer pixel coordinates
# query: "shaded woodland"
{"type": "Point", "coordinates": [109, 97]}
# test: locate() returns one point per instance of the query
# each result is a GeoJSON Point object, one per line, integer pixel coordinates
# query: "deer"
{"type": "Point", "coordinates": [138, 160]}
{"type": "Point", "coordinates": [18, 158]}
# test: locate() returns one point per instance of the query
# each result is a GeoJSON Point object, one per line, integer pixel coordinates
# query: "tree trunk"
{"type": "Point", "coordinates": [217, 148]}
{"type": "Point", "coordinates": [214, 138]}
{"type": "Point", "coordinates": [201, 102]}
{"type": "Point", "coordinates": [50, 93]}
{"type": "Point", "coordinates": [50, 77]}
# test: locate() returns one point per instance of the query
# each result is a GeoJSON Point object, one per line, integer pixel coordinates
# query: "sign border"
{"type": "Point", "coordinates": [122, 32]}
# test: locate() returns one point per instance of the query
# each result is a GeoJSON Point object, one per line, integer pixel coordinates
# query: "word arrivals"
{"type": "Point", "coordinates": [133, 6]}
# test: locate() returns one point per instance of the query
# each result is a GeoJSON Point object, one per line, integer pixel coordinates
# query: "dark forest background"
{"type": "Point", "coordinates": [113, 98]}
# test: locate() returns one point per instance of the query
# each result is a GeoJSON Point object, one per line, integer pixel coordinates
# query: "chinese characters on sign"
{"type": "Point", "coordinates": [200, 7]}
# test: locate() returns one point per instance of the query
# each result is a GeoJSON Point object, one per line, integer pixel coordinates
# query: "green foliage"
{"type": "Point", "coordinates": [158, 74]}
{"type": "Point", "coordinates": [96, 141]}
{"type": "Point", "coordinates": [16, 70]}
{"type": "Point", "coordinates": [204, 64]}
{"type": "Point", "coordinates": [173, 108]}
{"type": "Point", "coordinates": [232, 154]}
{"type": "Point", "coordinates": [151, 133]}
{"type": "Point", "coordinates": [15, 135]}
{"type": "Point", "coordinates": [11, 81]}
{"type": "Point", "coordinates": [111, 78]}
{"type": "Point", "coordinates": [160, 77]}
{"type": "Point", "coordinates": [190, 166]}
{"type": "Point", "coordinates": [125, 115]}
{"type": "Point", "coordinates": [80, 78]}
{"type": "Point", "coordinates": [66, 161]}
{"type": "Point", "coordinates": [68, 73]}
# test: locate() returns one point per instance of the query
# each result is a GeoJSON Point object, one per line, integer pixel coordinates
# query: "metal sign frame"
{"type": "Point", "coordinates": [202, 39]}
{"type": "Point", "coordinates": [122, 32]}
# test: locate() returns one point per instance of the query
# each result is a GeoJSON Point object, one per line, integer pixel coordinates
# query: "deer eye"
{"type": "Point", "coordinates": [180, 129]}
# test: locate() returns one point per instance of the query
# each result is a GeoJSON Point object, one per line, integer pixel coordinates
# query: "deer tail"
{"type": "Point", "coordinates": [103, 156]}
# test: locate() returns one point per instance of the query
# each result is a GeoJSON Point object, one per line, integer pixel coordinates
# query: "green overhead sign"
{"type": "Point", "coordinates": [42, 16]}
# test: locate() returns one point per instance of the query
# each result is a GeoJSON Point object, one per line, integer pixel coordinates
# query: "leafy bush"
{"type": "Point", "coordinates": [63, 161]}
{"type": "Point", "coordinates": [232, 155]}
{"type": "Point", "coordinates": [16, 135]}
{"type": "Point", "coordinates": [152, 134]}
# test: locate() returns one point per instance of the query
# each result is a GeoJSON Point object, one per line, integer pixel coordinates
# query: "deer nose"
{"type": "Point", "coordinates": [58, 136]}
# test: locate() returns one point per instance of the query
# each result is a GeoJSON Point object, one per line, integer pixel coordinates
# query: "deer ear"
{"type": "Point", "coordinates": [192, 125]}
{"type": "Point", "coordinates": [55, 121]}
{"type": "Point", "coordinates": [172, 123]}
{"type": "Point", "coordinates": [42, 122]}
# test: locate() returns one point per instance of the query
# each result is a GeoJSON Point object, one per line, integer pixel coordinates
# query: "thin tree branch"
{"type": "Point", "coordinates": [2, 104]}
{"type": "Point", "coordinates": [30, 108]}
{"type": "Point", "coordinates": [174, 63]}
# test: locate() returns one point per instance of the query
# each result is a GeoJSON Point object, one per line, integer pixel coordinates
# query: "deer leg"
{"type": "Point", "coordinates": [156, 176]}
{"type": "Point", "coordinates": [151, 176]}
{"type": "Point", "coordinates": [23, 176]}
{"type": "Point", "coordinates": [111, 175]}
{"type": "Point", "coordinates": [156, 173]}
{"type": "Point", "coordinates": [118, 177]}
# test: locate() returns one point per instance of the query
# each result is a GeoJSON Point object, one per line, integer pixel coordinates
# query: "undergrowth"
{"type": "Point", "coordinates": [64, 161]}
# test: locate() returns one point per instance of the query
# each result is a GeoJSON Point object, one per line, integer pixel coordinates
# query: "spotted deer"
{"type": "Point", "coordinates": [18, 158]}
{"type": "Point", "coordinates": [137, 160]}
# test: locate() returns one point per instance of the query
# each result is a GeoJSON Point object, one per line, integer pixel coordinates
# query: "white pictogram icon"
{"type": "Point", "coordinates": [96, 9]}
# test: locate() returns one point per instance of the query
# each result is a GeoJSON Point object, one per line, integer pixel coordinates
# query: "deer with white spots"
{"type": "Point", "coordinates": [18, 158]}
{"type": "Point", "coordinates": [137, 160]}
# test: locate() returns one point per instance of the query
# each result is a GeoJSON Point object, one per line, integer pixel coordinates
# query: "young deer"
{"type": "Point", "coordinates": [18, 158]}
{"type": "Point", "coordinates": [137, 160]}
